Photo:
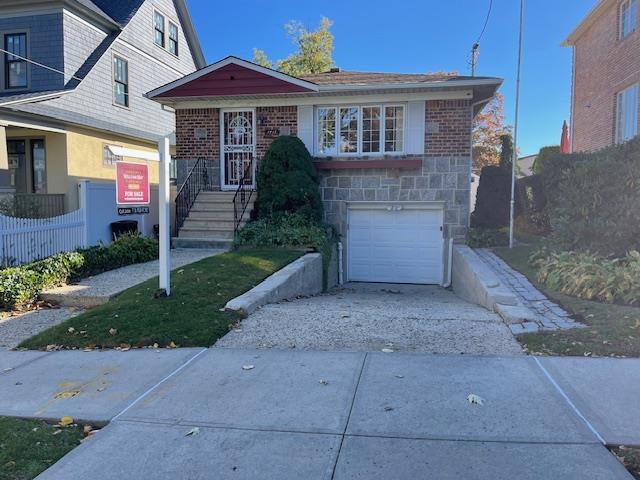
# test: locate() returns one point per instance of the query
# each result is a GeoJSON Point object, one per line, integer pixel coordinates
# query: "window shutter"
{"type": "Point", "coordinates": [415, 127]}
{"type": "Point", "coordinates": [305, 126]}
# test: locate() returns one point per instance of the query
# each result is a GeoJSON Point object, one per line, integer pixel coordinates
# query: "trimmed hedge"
{"type": "Point", "coordinates": [587, 276]}
{"type": "Point", "coordinates": [484, 238]}
{"type": "Point", "coordinates": [493, 199]}
{"type": "Point", "coordinates": [594, 199]}
{"type": "Point", "coordinates": [20, 286]}
{"type": "Point", "coordinates": [287, 181]}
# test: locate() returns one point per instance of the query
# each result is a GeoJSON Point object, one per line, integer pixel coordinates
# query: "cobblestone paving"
{"type": "Point", "coordinates": [550, 316]}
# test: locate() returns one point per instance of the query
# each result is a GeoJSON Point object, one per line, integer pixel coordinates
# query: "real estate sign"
{"type": "Point", "coordinates": [132, 183]}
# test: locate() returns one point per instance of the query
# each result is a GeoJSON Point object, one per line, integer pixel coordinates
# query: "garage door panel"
{"type": "Point", "coordinates": [395, 246]}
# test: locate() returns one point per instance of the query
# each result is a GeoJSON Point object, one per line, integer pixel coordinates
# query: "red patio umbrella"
{"type": "Point", "coordinates": [564, 140]}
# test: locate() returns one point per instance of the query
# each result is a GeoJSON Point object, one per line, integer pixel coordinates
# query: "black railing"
{"type": "Point", "coordinates": [32, 205]}
{"type": "Point", "coordinates": [242, 197]}
{"type": "Point", "coordinates": [198, 179]}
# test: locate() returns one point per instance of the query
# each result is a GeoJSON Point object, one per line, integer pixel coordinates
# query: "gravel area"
{"type": "Point", "coordinates": [16, 328]}
{"type": "Point", "coordinates": [100, 288]}
{"type": "Point", "coordinates": [373, 317]}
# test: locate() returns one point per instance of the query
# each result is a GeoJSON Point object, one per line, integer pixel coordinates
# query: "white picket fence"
{"type": "Point", "coordinates": [23, 240]}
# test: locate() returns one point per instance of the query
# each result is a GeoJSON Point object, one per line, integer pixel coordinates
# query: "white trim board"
{"type": "Point", "coordinates": [323, 100]}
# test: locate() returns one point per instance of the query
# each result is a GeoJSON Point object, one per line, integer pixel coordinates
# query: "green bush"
{"type": "Point", "coordinates": [590, 277]}
{"type": "Point", "coordinates": [484, 238]}
{"type": "Point", "coordinates": [532, 206]}
{"type": "Point", "coordinates": [543, 157]}
{"type": "Point", "coordinates": [493, 199]}
{"type": "Point", "coordinates": [594, 199]}
{"type": "Point", "coordinates": [20, 286]}
{"type": "Point", "coordinates": [287, 181]}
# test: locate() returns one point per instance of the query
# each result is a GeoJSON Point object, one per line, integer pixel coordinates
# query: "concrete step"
{"type": "Point", "coordinates": [199, 232]}
{"type": "Point", "coordinates": [181, 242]}
{"type": "Point", "coordinates": [212, 215]}
{"type": "Point", "coordinates": [209, 224]}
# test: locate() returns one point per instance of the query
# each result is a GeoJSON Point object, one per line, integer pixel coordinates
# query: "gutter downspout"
{"type": "Point", "coordinates": [449, 265]}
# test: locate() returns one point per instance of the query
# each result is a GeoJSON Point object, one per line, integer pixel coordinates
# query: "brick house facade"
{"type": "Point", "coordinates": [393, 152]}
{"type": "Point", "coordinates": [605, 63]}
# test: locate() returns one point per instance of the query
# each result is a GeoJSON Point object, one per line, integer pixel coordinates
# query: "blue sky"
{"type": "Point", "coordinates": [419, 36]}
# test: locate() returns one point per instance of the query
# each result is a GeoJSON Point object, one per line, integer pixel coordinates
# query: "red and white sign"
{"type": "Point", "coordinates": [132, 183]}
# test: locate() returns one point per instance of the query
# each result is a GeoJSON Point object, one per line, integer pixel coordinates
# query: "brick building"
{"type": "Point", "coordinates": [393, 152]}
{"type": "Point", "coordinates": [606, 75]}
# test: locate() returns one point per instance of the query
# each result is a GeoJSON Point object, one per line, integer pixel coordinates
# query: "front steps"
{"type": "Point", "coordinates": [210, 222]}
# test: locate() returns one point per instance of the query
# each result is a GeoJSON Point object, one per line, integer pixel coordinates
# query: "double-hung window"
{"type": "Point", "coordinates": [173, 38]}
{"type": "Point", "coordinates": [627, 114]}
{"type": "Point", "coordinates": [628, 17]}
{"type": "Point", "coordinates": [15, 66]}
{"type": "Point", "coordinates": [120, 81]}
{"type": "Point", "coordinates": [158, 29]}
{"type": "Point", "coordinates": [360, 130]}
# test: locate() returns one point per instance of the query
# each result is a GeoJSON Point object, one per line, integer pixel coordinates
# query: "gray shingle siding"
{"type": "Point", "coordinates": [91, 103]}
{"type": "Point", "coordinates": [44, 45]}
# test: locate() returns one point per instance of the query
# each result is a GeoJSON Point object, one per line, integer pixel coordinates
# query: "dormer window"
{"type": "Point", "coordinates": [15, 66]}
{"type": "Point", "coordinates": [173, 38]}
{"type": "Point", "coordinates": [628, 17]}
{"type": "Point", "coordinates": [158, 29]}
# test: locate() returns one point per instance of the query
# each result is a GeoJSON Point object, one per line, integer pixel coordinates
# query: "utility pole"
{"type": "Point", "coordinates": [515, 131]}
{"type": "Point", "coordinates": [474, 58]}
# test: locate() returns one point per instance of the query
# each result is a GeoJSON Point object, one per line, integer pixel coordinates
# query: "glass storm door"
{"type": "Point", "coordinates": [238, 148]}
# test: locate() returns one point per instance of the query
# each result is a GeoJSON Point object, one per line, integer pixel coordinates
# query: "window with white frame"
{"type": "Point", "coordinates": [627, 114]}
{"type": "Point", "coordinates": [158, 29]}
{"type": "Point", "coordinates": [628, 17]}
{"type": "Point", "coordinates": [173, 38]}
{"type": "Point", "coordinates": [120, 81]}
{"type": "Point", "coordinates": [351, 130]}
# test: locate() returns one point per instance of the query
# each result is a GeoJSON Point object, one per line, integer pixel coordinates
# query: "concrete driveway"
{"type": "Point", "coordinates": [370, 317]}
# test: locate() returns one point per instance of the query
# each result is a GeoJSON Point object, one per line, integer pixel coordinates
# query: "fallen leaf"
{"type": "Point", "coordinates": [71, 330]}
{"type": "Point", "coordinates": [87, 429]}
{"type": "Point", "coordinates": [474, 399]}
{"type": "Point", "coordinates": [172, 345]}
{"type": "Point", "coordinates": [324, 382]}
{"type": "Point", "coordinates": [193, 432]}
{"type": "Point", "coordinates": [180, 272]}
{"type": "Point", "coordinates": [65, 421]}
{"type": "Point", "coordinates": [387, 350]}
{"type": "Point", "coordinates": [112, 331]}
{"type": "Point", "coordinates": [399, 376]}
{"type": "Point", "coordinates": [388, 409]}
{"type": "Point", "coordinates": [247, 367]}
{"type": "Point", "coordinates": [67, 394]}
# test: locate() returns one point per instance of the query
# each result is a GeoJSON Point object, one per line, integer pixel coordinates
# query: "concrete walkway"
{"type": "Point", "coordinates": [262, 414]}
{"type": "Point", "coordinates": [370, 317]}
{"type": "Point", "coordinates": [99, 289]}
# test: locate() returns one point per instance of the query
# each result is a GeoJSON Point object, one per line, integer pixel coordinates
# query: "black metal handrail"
{"type": "Point", "coordinates": [198, 179]}
{"type": "Point", "coordinates": [242, 197]}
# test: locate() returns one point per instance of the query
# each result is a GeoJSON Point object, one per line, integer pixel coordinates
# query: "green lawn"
{"type": "Point", "coordinates": [191, 316]}
{"type": "Point", "coordinates": [28, 447]}
{"type": "Point", "coordinates": [613, 330]}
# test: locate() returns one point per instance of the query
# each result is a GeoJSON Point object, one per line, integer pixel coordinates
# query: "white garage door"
{"type": "Point", "coordinates": [395, 246]}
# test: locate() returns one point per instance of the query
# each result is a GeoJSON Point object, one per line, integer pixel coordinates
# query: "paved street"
{"type": "Point", "coordinates": [321, 415]}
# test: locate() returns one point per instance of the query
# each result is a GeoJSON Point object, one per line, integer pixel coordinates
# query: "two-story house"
{"type": "Point", "coordinates": [74, 74]}
{"type": "Point", "coordinates": [606, 76]}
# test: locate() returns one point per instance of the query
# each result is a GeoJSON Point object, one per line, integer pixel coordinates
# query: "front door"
{"type": "Point", "coordinates": [238, 144]}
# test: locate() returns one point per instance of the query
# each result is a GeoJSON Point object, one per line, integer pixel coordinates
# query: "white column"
{"type": "Point", "coordinates": [4, 160]}
{"type": "Point", "coordinates": [163, 213]}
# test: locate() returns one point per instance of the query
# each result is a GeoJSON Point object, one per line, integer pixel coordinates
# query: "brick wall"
{"type": "Point", "coordinates": [603, 66]}
{"type": "Point", "coordinates": [274, 117]}
{"type": "Point", "coordinates": [453, 135]}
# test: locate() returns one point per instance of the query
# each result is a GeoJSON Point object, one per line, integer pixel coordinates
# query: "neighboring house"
{"type": "Point", "coordinates": [525, 165]}
{"type": "Point", "coordinates": [606, 76]}
{"type": "Point", "coordinates": [393, 152]}
{"type": "Point", "coordinates": [55, 128]}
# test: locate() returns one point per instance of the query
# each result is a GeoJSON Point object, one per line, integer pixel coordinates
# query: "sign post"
{"type": "Point", "coordinates": [163, 155]}
{"type": "Point", "coordinates": [164, 216]}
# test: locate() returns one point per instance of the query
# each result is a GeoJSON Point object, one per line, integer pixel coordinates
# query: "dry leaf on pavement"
{"type": "Point", "coordinates": [474, 399]}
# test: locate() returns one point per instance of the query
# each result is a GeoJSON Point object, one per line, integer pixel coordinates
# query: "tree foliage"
{"type": "Point", "coordinates": [488, 130]}
{"type": "Point", "coordinates": [313, 50]}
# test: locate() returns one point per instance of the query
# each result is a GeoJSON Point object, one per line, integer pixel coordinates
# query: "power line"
{"type": "Point", "coordinates": [38, 64]}
{"type": "Point", "coordinates": [476, 45]}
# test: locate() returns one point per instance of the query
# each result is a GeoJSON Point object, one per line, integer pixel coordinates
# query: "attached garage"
{"type": "Point", "coordinates": [395, 243]}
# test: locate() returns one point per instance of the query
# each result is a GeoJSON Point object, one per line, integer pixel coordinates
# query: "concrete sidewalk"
{"type": "Point", "coordinates": [290, 414]}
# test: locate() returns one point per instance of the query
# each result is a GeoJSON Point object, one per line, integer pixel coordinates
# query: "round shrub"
{"type": "Point", "coordinates": [287, 181]}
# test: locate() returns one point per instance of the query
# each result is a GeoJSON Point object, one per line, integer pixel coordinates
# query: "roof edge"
{"type": "Point", "coordinates": [224, 62]}
{"type": "Point", "coordinates": [190, 33]}
{"type": "Point", "coordinates": [595, 13]}
{"type": "Point", "coordinates": [36, 98]}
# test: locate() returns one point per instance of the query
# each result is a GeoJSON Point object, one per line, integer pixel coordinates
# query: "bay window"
{"type": "Point", "coordinates": [360, 130]}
